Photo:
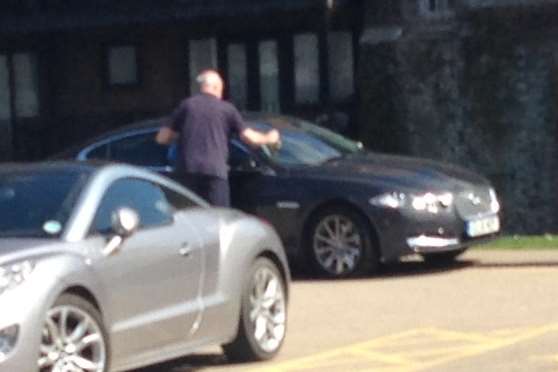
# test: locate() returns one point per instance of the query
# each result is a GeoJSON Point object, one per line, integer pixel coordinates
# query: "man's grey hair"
{"type": "Point", "coordinates": [208, 77]}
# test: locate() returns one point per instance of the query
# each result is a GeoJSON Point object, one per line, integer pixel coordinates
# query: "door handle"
{"type": "Point", "coordinates": [185, 250]}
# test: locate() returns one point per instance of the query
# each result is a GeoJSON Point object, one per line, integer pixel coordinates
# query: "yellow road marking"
{"type": "Point", "coordinates": [391, 353]}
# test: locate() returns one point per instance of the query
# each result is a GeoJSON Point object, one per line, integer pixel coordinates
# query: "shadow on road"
{"type": "Point", "coordinates": [524, 264]}
{"type": "Point", "coordinates": [400, 269]}
{"type": "Point", "coordinates": [418, 267]}
{"type": "Point", "coordinates": [191, 363]}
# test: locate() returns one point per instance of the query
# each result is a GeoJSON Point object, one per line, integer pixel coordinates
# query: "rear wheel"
{"type": "Point", "coordinates": [340, 243]}
{"type": "Point", "coordinates": [73, 338]}
{"type": "Point", "coordinates": [263, 315]}
{"type": "Point", "coordinates": [442, 258]}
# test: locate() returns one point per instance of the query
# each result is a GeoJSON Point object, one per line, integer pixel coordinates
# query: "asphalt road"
{"type": "Point", "coordinates": [491, 311]}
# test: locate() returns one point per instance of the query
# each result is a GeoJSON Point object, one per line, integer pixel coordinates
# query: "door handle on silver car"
{"type": "Point", "coordinates": [185, 250]}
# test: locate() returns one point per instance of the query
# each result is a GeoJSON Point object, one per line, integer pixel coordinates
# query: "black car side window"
{"type": "Point", "coordinates": [146, 198]}
{"type": "Point", "coordinates": [99, 153]}
{"type": "Point", "coordinates": [139, 149]}
{"type": "Point", "coordinates": [177, 200]}
{"type": "Point", "coordinates": [238, 156]}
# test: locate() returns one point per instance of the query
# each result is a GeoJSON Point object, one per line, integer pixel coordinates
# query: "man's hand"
{"type": "Point", "coordinates": [165, 136]}
{"type": "Point", "coordinates": [273, 137]}
{"type": "Point", "coordinates": [257, 138]}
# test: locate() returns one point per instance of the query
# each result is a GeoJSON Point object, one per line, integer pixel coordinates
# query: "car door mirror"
{"type": "Point", "coordinates": [125, 221]}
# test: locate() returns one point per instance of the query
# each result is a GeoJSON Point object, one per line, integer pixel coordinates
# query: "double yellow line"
{"type": "Point", "coordinates": [413, 350]}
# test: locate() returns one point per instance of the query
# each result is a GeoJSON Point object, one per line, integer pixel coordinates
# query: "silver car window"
{"type": "Point", "coordinates": [146, 198]}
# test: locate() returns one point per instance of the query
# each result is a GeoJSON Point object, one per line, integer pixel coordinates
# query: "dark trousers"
{"type": "Point", "coordinates": [211, 188]}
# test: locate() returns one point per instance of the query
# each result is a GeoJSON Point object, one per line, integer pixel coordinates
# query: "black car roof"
{"type": "Point", "coordinates": [252, 119]}
{"type": "Point", "coordinates": [51, 166]}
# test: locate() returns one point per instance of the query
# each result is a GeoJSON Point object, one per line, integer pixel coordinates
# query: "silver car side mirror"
{"type": "Point", "coordinates": [125, 221]}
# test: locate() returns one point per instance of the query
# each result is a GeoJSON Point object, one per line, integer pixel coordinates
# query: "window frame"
{"type": "Point", "coordinates": [84, 154]}
{"type": "Point", "coordinates": [92, 230]}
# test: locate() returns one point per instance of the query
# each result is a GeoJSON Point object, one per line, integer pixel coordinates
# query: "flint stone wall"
{"type": "Point", "coordinates": [479, 91]}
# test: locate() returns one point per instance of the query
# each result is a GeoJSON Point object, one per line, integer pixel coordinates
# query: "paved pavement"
{"type": "Point", "coordinates": [492, 311]}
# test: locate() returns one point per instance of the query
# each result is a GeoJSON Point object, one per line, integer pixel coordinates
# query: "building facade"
{"type": "Point", "coordinates": [71, 69]}
{"type": "Point", "coordinates": [473, 82]}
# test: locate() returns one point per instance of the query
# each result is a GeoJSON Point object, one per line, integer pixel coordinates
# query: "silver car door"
{"type": "Point", "coordinates": [153, 279]}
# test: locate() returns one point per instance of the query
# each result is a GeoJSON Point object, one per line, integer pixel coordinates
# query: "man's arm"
{"type": "Point", "coordinates": [257, 138]}
{"type": "Point", "coordinates": [165, 136]}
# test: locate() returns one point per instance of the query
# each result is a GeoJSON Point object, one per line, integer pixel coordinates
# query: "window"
{"type": "Point", "coordinates": [26, 85]}
{"type": "Point", "coordinates": [238, 156]}
{"type": "Point", "coordinates": [5, 99]}
{"type": "Point", "coordinates": [177, 200]}
{"type": "Point", "coordinates": [237, 75]}
{"type": "Point", "coordinates": [98, 153]}
{"type": "Point", "coordinates": [146, 198]}
{"type": "Point", "coordinates": [307, 72]}
{"type": "Point", "coordinates": [122, 65]}
{"type": "Point", "coordinates": [341, 66]}
{"type": "Point", "coordinates": [140, 149]}
{"type": "Point", "coordinates": [203, 56]}
{"type": "Point", "coordinates": [435, 8]}
{"type": "Point", "coordinates": [269, 76]}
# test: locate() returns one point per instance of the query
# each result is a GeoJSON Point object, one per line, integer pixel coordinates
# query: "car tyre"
{"type": "Point", "coordinates": [339, 243]}
{"type": "Point", "coordinates": [442, 258]}
{"type": "Point", "coordinates": [73, 337]}
{"type": "Point", "coordinates": [263, 315]}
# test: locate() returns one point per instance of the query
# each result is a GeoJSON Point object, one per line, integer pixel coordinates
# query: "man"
{"type": "Point", "coordinates": [203, 125]}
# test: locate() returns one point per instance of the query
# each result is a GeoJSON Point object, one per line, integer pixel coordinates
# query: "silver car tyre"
{"type": "Point", "coordinates": [263, 315]}
{"type": "Point", "coordinates": [73, 338]}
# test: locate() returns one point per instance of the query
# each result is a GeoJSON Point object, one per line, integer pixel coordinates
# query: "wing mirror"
{"type": "Point", "coordinates": [125, 221]}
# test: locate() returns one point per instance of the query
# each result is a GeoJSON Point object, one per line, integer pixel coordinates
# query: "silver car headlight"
{"type": "Point", "coordinates": [428, 202]}
{"type": "Point", "coordinates": [13, 275]}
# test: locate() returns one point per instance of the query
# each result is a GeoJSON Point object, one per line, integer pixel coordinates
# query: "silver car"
{"type": "Point", "coordinates": [111, 267]}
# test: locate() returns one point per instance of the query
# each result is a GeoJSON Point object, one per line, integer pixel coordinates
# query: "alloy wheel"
{"type": "Point", "coordinates": [267, 309]}
{"type": "Point", "coordinates": [72, 341]}
{"type": "Point", "coordinates": [337, 244]}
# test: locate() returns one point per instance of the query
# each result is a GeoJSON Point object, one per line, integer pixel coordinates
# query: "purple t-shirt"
{"type": "Point", "coordinates": [205, 123]}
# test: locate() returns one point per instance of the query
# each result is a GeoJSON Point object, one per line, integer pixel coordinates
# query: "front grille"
{"type": "Point", "coordinates": [473, 202]}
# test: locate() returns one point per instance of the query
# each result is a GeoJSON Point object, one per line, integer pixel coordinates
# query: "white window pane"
{"type": "Point", "coordinates": [238, 75]}
{"type": "Point", "coordinates": [203, 56]}
{"type": "Point", "coordinates": [123, 67]}
{"type": "Point", "coordinates": [269, 76]}
{"type": "Point", "coordinates": [307, 70]}
{"type": "Point", "coordinates": [5, 103]}
{"type": "Point", "coordinates": [26, 85]}
{"type": "Point", "coordinates": [341, 65]}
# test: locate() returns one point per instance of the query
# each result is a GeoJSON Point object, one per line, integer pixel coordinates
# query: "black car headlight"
{"type": "Point", "coordinates": [494, 203]}
{"type": "Point", "coordinates": [428, 202]}
{"type": "Point", "coordinates": [13, 275]}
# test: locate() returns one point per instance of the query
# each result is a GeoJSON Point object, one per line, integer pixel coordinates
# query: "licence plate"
{"type": "Point", "coordinates": [483, 226]}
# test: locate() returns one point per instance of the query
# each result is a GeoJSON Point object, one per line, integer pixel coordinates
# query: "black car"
{"type": "Point", "coordinates": [337, 207]}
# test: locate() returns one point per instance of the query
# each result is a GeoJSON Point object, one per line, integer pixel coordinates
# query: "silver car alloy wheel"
{"type": "Point", "coordinates": [72, 341]}
{"type": "Point", "coordinates": [337, 244]}
{"type": "Point", "coordinates": [268, 309]}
